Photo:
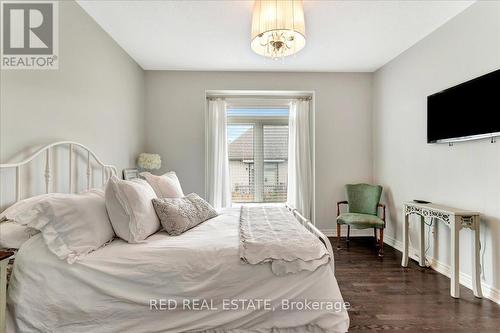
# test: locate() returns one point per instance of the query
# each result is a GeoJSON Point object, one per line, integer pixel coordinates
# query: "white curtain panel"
{"type": "Point", "coordinates": [217, 163]}
{"type": "Point", "coordinates": [300, 187]}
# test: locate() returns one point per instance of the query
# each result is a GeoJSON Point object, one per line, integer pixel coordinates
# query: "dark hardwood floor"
{"type": "Point", "coordinates": [387, 297]}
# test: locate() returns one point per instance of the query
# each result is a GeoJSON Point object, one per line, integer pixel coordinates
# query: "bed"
{"type": "Point", "coordinates": [194, 282]}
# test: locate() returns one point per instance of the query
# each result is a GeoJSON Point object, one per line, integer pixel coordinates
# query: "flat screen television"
{"type": "Point", "coordinates": [468, 111]}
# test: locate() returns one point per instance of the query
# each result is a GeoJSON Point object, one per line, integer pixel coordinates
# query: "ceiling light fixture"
{"type": "Point", "coordinates": [278, 28]}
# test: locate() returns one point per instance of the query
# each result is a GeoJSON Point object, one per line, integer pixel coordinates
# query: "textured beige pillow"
{"type": "Point", "coordinates": [165, 186]}
{"type": "Point", "coordinates": [180, 214]}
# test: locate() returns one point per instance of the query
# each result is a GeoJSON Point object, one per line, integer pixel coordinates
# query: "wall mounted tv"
{"type": "Point", "coordinates": [468, 111]}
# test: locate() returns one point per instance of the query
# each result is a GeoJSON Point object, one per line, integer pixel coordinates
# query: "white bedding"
{"type": "Point", "coordinates": [110, 289]}
{"type": "Point", "coordinates": [272, 234]}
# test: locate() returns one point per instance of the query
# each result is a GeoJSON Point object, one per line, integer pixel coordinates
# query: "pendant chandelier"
{"type": "Point", "coordinates": [278, 28]}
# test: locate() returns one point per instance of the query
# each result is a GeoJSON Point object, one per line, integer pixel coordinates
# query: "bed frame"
{"type": "Point", "coordinates": [91, 160]}
{"type": "Point", "coordinates": [107, 170]}
{"type": "Point", "coordinates": [315, 231]}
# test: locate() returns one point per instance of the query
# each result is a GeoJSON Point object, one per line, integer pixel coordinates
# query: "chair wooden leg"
{"type": "Point", "coordinates": [348, 234]}
{"type": "Point", "coordinates": [338, 236]}
{"type": "Point", "coordinates": [381, 246]}
{"type": "Point", "coordinates": [375, 236]}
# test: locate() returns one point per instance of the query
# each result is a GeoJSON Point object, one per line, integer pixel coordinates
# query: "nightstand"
{"type": "Point", "coordinates": [4, 260]}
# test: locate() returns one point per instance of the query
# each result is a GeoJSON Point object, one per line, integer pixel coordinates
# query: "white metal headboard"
{"type": "Point", "coordinates": [107, 170]}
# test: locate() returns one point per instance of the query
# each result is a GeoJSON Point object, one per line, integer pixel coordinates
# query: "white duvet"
{"type": "Point", "coordinates": [191, 282]}
{"type": "Point", "coordinates": [272, 234]}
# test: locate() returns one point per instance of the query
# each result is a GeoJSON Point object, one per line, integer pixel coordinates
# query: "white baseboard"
{"type": "Point", "coordinates": [465, 279]}
{"type": "Point", "coordinates": [343, 233]}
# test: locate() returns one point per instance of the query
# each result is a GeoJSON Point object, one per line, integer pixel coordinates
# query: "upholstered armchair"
{"type": "Point", "coordinates": [363, 206]}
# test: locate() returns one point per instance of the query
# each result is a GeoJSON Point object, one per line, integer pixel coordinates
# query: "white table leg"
{"type": "Point", "coordinates": [455, 258]}
{"type": "Point", "coordinates": [3, 293]}
{"type": "Point", "coordinates": [421, 259]}
{"type": "Point", "coordinates": [476, 261]}
{"type": "Point", "coordinates": [404, 261]}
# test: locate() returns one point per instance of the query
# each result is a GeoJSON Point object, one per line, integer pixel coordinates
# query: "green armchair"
{"type": "Point", "coordinates": [363, 203]}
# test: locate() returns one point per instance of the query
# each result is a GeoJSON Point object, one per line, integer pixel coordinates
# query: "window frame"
{"type": "Point", "coordinates": [258, 124]}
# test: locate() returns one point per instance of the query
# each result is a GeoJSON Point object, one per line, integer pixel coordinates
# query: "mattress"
{"type": "Point", "coordinates": [191, 282]}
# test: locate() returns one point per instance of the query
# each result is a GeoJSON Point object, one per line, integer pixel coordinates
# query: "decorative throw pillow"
{"type": "Point", "coordinates": [130, 209]}
{"type": "Point", "coordinates": [180, 214]}
{"type": "Point", "coordinates": [72, 225]}
{"type": "Point", "coordinates": [165, 186]}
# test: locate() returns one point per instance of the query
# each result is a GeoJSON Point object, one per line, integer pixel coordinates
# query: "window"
{"type": "Point", "coordinates": [258, 154]}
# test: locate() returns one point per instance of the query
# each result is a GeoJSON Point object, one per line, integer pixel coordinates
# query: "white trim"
{"type": "Point", "coordinates": [259, 93]}
{"type": "Point", "coordinates": [258, 102]}
{"type": "Point", "coordinates": [466, 280]}
{"type": "Point", "coordinates": [252, 120]}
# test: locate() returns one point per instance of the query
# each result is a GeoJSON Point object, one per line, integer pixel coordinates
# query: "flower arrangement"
{"type": "Point", "coordinates": [149, 161]}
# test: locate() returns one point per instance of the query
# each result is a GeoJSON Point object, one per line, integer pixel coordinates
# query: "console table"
{"type": "Point", "coordinates": [455, 219]}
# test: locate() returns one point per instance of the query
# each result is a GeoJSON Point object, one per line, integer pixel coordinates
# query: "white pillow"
{"type": "Point", "coordinates": [130, 208]}
{"type": "Point", "coordinates": [72, 225]}
{"type": "Point", "coordinates": [13, 234]}
{"type": "Point", "coordinates": [24, 205]}
{"type": "Point", "coordinates": [165, 186]}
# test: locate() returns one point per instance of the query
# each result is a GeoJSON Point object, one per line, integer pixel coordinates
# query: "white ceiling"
{"type": "Point", "coordinates": [215, 35]}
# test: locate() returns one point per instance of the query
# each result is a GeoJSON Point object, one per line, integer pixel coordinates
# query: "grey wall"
{"type": "Point", "coordinates": [95, 98]}
{"type": "Point", "coordinates": [175, 125]}
{"type": "Point", "coordinates": [466, 175]}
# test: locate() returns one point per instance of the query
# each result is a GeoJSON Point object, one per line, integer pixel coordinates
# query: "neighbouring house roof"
{"type": "Point", "coordinates": [275, 143]}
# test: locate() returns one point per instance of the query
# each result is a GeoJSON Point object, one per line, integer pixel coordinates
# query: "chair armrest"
{"type": "Point", "coordinates": [338, 206]}
{"type": "Point", "coordinates": [383, 211]}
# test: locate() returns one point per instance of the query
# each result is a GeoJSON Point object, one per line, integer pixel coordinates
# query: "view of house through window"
{"type": "Point", "coordinates": [258, 154]}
